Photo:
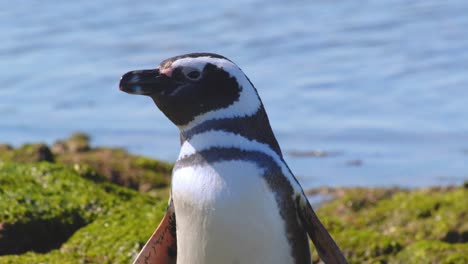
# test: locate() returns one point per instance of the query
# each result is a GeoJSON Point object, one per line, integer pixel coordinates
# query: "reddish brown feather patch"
{"type": "Point", "coordinates": [166, 71]}
{"type": "Point", "coordinates": [161, 248]}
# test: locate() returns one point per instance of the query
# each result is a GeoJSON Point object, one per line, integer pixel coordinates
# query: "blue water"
{"type": "Point", "coordinates": [381, 85]}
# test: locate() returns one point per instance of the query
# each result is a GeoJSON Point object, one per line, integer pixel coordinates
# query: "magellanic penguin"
{"type": "Point", "coordinates": [233, 198]}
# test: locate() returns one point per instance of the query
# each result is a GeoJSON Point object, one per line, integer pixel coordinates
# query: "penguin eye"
{"type": "Point", "coordinates": [193, 75]}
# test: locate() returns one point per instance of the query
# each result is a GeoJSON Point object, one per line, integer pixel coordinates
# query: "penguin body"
{"type": "Point", "coordinates": [233, 198]}
{"type": "Point", "coordinates": [235, 214]}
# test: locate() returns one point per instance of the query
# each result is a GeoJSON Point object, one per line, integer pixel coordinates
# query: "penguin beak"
{"type": "Point", "coordinates": [144, 82]}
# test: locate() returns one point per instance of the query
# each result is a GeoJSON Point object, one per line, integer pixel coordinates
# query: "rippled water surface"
{"type": "Point", "coordinates": [380, 86]}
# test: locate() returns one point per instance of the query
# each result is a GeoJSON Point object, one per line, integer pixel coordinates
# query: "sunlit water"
{"type": "Point", "coordinates": [381, 85]}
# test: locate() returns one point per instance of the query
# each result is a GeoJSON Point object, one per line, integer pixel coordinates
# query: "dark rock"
{"type": "Point", "coordinates": [40, 235]}
{"type": "Point", "coordinates": [32, 153]}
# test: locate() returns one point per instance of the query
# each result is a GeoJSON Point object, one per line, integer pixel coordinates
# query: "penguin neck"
{"type": "Point", "coordinates": [254, 127]}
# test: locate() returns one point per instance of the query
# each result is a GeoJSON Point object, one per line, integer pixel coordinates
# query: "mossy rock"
{"type": "Point", "coordinates": [26, 153]}
{"type": "Point", "coordinates": [77, 142]}
{"type": "Point", "coordinates": [118, 236]}
{"type": "Point", "coordinates": [376, 228]}
{"type": "Point", "coordinates": [424, 214]}
{"type": "Point", "coordinates": [364, 246]}
{"type": "Point", "coordinates": [42, 204]}
{"type": "Point", "coordinates": [116, 165]}
{"type": "Point", "coordinates": [111, 164]}
{"type": "Point", "coordinates": [5, 148]}
{"type": "Point", "coordinates": [88, 222]}
{"type": "Point", "coordinates": [114, 237]}
{"type": "Point", "coordinates": [433, 252]}
{"type": "Point", "coordinates": [52, 257]}
{"type": "Point", "coordinates": [122, 168]}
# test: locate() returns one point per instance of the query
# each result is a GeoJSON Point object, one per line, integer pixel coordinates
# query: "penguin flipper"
{"type": "Point", "coordinates": [326, 247]}
{"type": "Point", "coordinates": [161, 248]}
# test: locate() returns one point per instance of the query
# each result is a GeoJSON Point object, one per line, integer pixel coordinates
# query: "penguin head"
{"type": "Point", "coordinates": [195, 87]}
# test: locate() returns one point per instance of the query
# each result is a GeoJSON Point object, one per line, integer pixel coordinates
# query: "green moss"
{"type": "Point", "coordinates": [364, 246]}
{"type": "Point", "coordinates": [114, 237]}
{"type": "Point", "coordinates": [26, 153]}
{"type": "Point", "coordinates": [42, 204]}
{"type": "Point", "coordinates": [98, 164]}
{"type": "Point", "coordinates": [433, 252]}
{"type": "Point", "coordinates": [118, 236]}
{"type": "Point", "coordinates": [374, 225]}
{"type": "Point", "coordinates": [35, 190]}
{"type": "Point", "coordinates": [90, 222]}
{"type": "Point", "coordinates": [53, 257]}
{"type": "Point", "coordinates": [120, 167]}
{"type": "Point", "coordinates": [361, 246]}
{"type": "Point", "coordinates": [424, 214]}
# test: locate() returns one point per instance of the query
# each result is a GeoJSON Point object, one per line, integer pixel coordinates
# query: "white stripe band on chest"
{"type": "Point", "coordinates": [223, 139]}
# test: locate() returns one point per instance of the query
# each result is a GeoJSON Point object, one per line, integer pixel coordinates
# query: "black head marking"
{"type": "Point", "coordinates": [190, 97]}
{"type": "Point", "coordinates": [186, 86]}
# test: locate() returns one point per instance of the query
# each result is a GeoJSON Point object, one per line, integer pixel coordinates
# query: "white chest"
{"type": "Point", "coordinates": [226, 213]}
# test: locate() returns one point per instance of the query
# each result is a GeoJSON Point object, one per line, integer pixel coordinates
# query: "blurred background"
{"type": "Point", "coordinates": [359, 93]}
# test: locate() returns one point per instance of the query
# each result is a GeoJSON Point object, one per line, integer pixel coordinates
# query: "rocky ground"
{"type": "Point", "coordinates": [71, 203]}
